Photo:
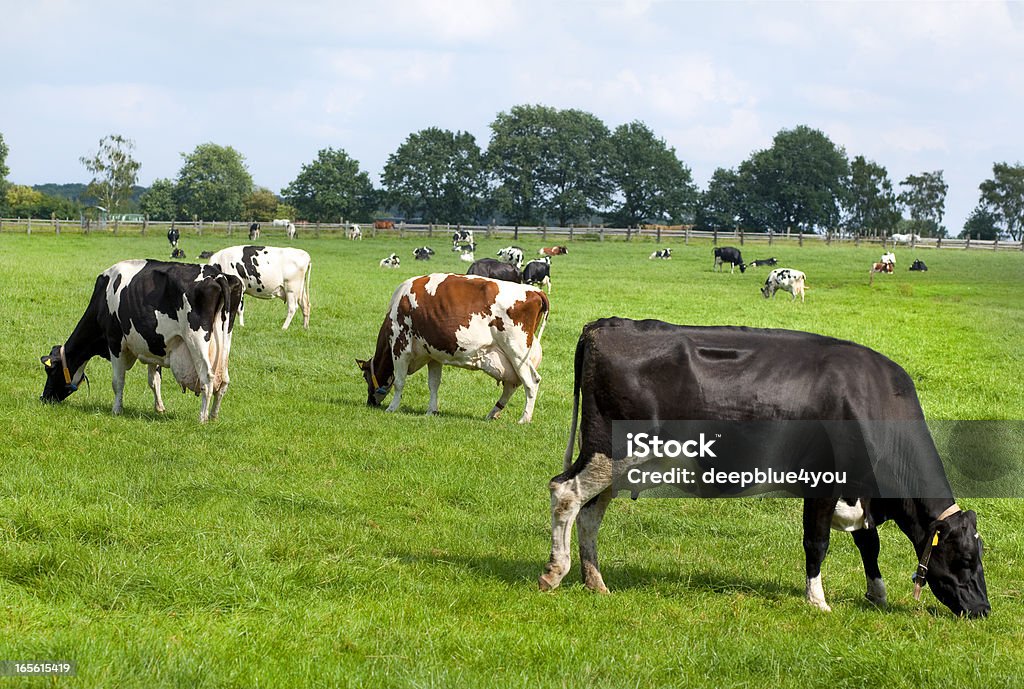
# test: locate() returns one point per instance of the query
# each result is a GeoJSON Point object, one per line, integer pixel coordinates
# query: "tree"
{"type": "Point", "coordinates": [212, 183]}
{"type": "Point", "coordinates": [23, 201]}
{"type": "Point", "coordinates": [1004, 196]}
{"type": "Point", "coordinates": [981, 224]}
{"type": "Point", "coordinates": [260, 205]}
{"type": "Point", "coordinates": [721, 205]}
{"type": "Point", "coordinates": [157, 202]}
{"type": "Point", "coordinates": [651, 183]}
{"type": "Point", "coordinates": [114, 172]}
{"type": "Point", "coordinates": [331, 188]}
{"type": "Point", "coordinates": [573, 179]}
{"type": "Point", "coordinates": [871, 204]}
{"type": "Point", "coordinates": [925, 199]}
{"type": "Point", "coordinates": [4, 170]}
{"type": "Point", "coordinates": [437, 175]}
{"type": "Point", "coordinates": [513, 158]}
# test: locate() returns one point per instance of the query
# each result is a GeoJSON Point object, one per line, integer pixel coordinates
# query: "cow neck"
{"type": "Point", "coordinates": [382, 365]}
{"type": "Point", "coordinates": [918, 516]}
{"type": "Point", "coordinates": [85, 342]}
{"type": "Point", "coordinates": [920, 577]}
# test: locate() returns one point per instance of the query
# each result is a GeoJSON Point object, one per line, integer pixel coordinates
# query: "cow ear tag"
{"type": "Point", "coordinates": [935, 539]}
{"type": "Point", "coordinates": [46, 362]}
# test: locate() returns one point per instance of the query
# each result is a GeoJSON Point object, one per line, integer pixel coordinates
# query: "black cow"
{"type": "Point", "coordinates": [918, 264]}
{"type": "Point", "coordinates": [173, 236]}
{"type": "Point", "coordinates": [422, 253]}
{"type": "Point", "coordinates": [254, 232]}
{"type": "Point", "coordinates": [641, 370]}
{"type": "Point", "coordinates": [731, 255]}
{"type": "Point", "coordinates": [493, 268]}
{"type": "Point", "coordinates": [162, 314]}
{"type": "Point", "coordinates": [538, 272]}
{"type": "Point", "coordinates": [177, 253]}
{"type": "Point", "coordinates": [763, 262]}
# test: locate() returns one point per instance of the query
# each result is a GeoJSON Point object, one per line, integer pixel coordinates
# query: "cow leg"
{"type": "Point", "coordinates": [817, 524]}
{"type": "Point", "coordinates": [401, 373]}
{"type": "Point", "coordinates": [568, 495]}
{"type": "Point", "coordinates": [507, 388]}
{"type": "Point", "coordinates": [154, 385]}
{"type": "Point", "coordinates": [530, 379]}
{"type": "Point", "coordinates": [304, 303]}
{"type": "Point", "coordinates": [120, 366]}
{"type": "Point", "coordinates": [293, 306]}
{"type": "Point", "coordinates": [868, 545]}
{"type": "Point", "coordinates": [241, 311]}
{"type": "Point", "coordinates": [587, 524]}
{"type": "Point", "coordinates": [433, 384]}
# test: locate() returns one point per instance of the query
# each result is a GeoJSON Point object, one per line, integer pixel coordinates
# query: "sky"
{"type": "Point", "coordinates": [913, 86]}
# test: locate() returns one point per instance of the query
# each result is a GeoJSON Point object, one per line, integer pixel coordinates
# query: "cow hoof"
{"type": "Point", "coordinates": [596, 587]}
{"type": "Point", "coordinates": [822, 605]}
{"type": "Point", "coordinates": [548, 581]}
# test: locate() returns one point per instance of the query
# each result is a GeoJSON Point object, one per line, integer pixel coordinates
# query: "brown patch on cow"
{"type": "Point", "coordinates": [529, 313]}
{"type": "Point", "coordinates": [497, 324]}
{"type": "Point", "coordinates": [404, 315]}
{"type": "Point", "coordinates": [438, 317]}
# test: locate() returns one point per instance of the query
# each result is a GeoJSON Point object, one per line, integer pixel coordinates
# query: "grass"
{"type": "Point", "coordinates": [306, 540]}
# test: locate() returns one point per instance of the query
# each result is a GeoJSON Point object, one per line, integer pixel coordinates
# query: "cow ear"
{"type": "Point", "coordinates": [362, 364]}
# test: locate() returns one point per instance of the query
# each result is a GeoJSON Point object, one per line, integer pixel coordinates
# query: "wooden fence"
{"type": "Point", "coordinates": [552, 235]}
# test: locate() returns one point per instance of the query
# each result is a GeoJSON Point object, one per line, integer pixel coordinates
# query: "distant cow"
{"type": "Point", "coordinates": [467, 256]}
{"type": "Point", "coordinates": [786, 279]}
{"type": "Point", "coordinates": [918, 264]}
{"type": "Point", "coordinates": [888, 257]}
{"type": "Point", "coordinates": [495, 269]}
{"type": "Point", "coordinates": [205, 254]}
{"type": "Point", "coordinates": [290, 230]}
{"type": "Point", "coordinates": [254, 231]}
{"type": "Point", "coordinates": [281, 222]}
{"type": "Point", "coordinates": [170, 315]}
{"type": "Point", "coordinates": [661, 253]}
{"type": "Point", "coordinates": [763, 262]}
{"type": "Point", "coordinates": [553, 251]}
{"type": "Point", "coordinates": [391, 261]}
{"type": "Point", "coordinates": [177, 253]}
{"type": "Point", "coordinates": [538, 272]}
{"type": "Point", "coordinates": [173, 235]}
{"type": "Point", "coordinates": [905, 239]}
{"type": "Point", "coordinates": [383, 224]}
{"type": "Point", "coordinates": [422, 253]}
{"type": "Point", "coordinates": [461, 238]}
{"type": "Point", "coordinates": [642, 370]}
{"type": "Point", "coordinates": [460, 320]}
{"type": "Point", "coordinates": [355, 232]}
{"type": "Point", "coordinates": [730, 255]}
{"type": "Point", "coordinates": [268, 272]}
{"type": "Point", "coordinates": [513, 255]}
{"type": "Point", "coordinates": [878, 268]}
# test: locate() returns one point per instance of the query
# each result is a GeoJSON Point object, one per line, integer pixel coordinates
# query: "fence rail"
{"type": "Point", "coordinates": [546, 234]}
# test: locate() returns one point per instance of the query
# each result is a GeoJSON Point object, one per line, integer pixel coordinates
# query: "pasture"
{"type": "Point", "coordinates": [305, 539]}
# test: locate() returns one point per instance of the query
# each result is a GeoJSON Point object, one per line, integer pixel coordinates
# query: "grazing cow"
{"type": "Point", "coordinates": [763, 262]}
{"type": "Point", "coordinates": [460, 320]}
{"type": "Point", "coordinates": [290, 230]}
{"type": "Point", "coordinates": [177, 253]}
{"type": "Point", "coordinates": [355, 232]}
{"type": "Point", "coordinates": [423, 253]}
{"type": "Point", "coordinates": [918, 264]}
{"type": "Point", "coordinates": [268, 272]}
{"type": "Point", "coordinates": [553, 251]}
{"type": "Point", "coordinates": [538, 272]}
{"type": "Point", "coordinates": [391, 261]}
{"type": "Point", "coordinates": [163, 314]}
{"type": "Point", "coordinates": [461, 238]}
{"type": "Point", "coordinates": [495, 269]}
{"type": "Point", "coordinates": [254, 231]}
{"type": "Point", "coordinates": [793, 281]}
{"type": "Point", "coordinates": [281, 222]}
{"type": "Point", "coordinates": [467, 256]}
{"type": "Point", "coordinates": [889, 257]}
{"type": "Point", "coordinates": [173, 235]}
{"type": "Point", "coordinates": [878, 268]}
{"type": "Point", "coordinates": [730, 255]}
{"type": "Point", "coordinates": [513, 255]}
{"type": "Point", "coordinates": [661, 253]}
{"type": "Point", "coordinates": [644, 370]}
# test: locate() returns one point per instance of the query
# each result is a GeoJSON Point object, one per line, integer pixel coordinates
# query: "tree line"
{"type": "Point", "coordinates": [546, 166]}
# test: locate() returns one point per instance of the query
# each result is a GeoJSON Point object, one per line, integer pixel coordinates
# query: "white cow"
{"type": "Point", "coordinates": [889, 257]}
{"type": "Point", "coordinates": [785, 279]}
{"type": "Point", "coordinates": [269, 272]}
{"type": "Point", "coordinates": [281, 222]}
{"type": "Point", "coordinates": [905, 239]}
{"type": "Point", "coordinates": [392, 261]}
{"type": "Point", "coordinates": [354, 232]}
{"type": "Point", "coordinates": [513, 255]}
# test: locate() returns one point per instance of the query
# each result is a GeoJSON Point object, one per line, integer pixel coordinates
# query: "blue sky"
{"type": "Point", "coordinates": [914, 86]}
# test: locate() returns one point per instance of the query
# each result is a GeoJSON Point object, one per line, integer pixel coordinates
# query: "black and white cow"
{"type": "Point", "coordinates": [462, 240]}
{"type": "Point", "coordinates": [422, 253]}
{"type": "Point", "coordinates": [661, 253]}
{"type": "Point", "coordinates": [254, 231]}
{"type": "Point", "coordinates": [538, 272]}
{"type": "Point", "coordinates": [730, 255]}
{"type": "Point", "coordinates": [792, 281]}
{"type": "Point", "coordinates": [177, 253]}
{"type": "Point", "coordinates": [166, 315]}
{"type": "Point", "coordinates": [173, 235]}
{"type": "Point", "coordinates": [270, 272]}
{"type": "Point", "coordinates": [644, 370]}
{"type": "Point", "coordinates": [495, 269]}
{"type": "Point", "coordinates": [513, 255]}
{"type": "Point", "coordinates": [763, 262]}
{"type": "Point", "coordinates": [918, 264]}
{"type": "Point", "coordinates": [392, 261]}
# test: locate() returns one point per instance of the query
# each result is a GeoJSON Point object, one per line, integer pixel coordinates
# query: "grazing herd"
{"type": "Point", "coordinates": [182, 317]}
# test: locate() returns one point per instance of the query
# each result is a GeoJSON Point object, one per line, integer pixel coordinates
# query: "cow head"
{"type": "Point", "coordinates": [767, 291]}
{"type": "Point", "coordinates": [954, 573]}
{"type": "Point", "coordinates": [59, 379]}
{"type": "Point", "coordinates": [376, 390]}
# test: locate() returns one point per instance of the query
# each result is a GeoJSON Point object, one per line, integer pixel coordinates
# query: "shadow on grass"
{"type": "Point", "coordinates": [416, 411]}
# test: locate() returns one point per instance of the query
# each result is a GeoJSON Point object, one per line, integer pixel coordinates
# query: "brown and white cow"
{"type": "Point", "coordinates": [885, 267]}
{"type": "Point", "coordinates": [461, 320]}
{"type": "Point", "coordinates": [553, 251]}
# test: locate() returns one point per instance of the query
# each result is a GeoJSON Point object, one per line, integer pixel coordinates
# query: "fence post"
{"type": "Point", "coordinates": [658, 235]}
{"type": "Point", "coordinates": [601, 233]}
{"type": "Point", "coordinates": [741, 236]}
{"type": "Point", "coordinates": [801, 238]}
{"type": "Point", "coordinates": [571, 228]}
{"type": "Point", "coordinates": [938, 242]}
{"type": "Point", "coordinates": [544, 234]}
{"type": "Point", "coordinates": [145, 224]}
{"type": "Point", "coordinates": [515, 233]}
{"type": "Point", "coordinates": [29, 231]}
{"type": "Point", "coordinates": [968, 244]}
{"type": "Point", "coordinates": [770, 234]}
{"type": "Point", "coordinates": [56, 224]}
{"type": "Point", "coordinates": [714, 237]}
{"type": "Point", "coordinates": [629, 230]}
{"type": "Point", "coordinates": [686, 235]}
{"type": "Point", "coordinates": [995, 244]}
{"type": "Point", "coordinates": [117, 226]}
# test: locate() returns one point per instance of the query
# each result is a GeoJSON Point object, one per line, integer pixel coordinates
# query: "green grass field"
{"type": "Point", "coordinates": [304, 539]}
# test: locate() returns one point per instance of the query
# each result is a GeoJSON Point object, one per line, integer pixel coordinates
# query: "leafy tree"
{"type": "Point", "coordinates": [981, 224]}
{"type": "Point", "coordinates": [212, 183]}
{"type": "Point", "coordinates": [24, 201]}
{"type": "Point", "coordinates": [573, 180]}
{"type": "Point", "coordinates": [871, 204]}
{"type": "Point", "coordinates": [114, 172]}
{"type": "Point", "coordinates": [1004, 195]}
{"type": "Point", "coordinates": [514, 156]}
{"type": "Point", "coordinates": [260, 205]}
{"type": "Point", "coordinates": [437, 175]}
{"type": "Point", "coordinates": [285, 211]}
{"type": "Point", "coordinates": [653, 185]}
{"type": "Point", "coordinates": [925, 199]}
{"type": "Point", "coordinates": [721, 205]}
{"type": "Point", "coordinates": [157, 202]}
{"type": "Point", "coordinates": [330, 188]}
{"type": "Point", "coordinates": [4, 170]}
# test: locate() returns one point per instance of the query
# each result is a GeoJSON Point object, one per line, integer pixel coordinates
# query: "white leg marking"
{"type": "Point", "coordinates": [816, 594]}
{"type": "Point", "coordinates": [293, 304]}
{"type": "Point", "coordinates": [433, 384]}
{"type": "Point", "coordinates": [154, 385]}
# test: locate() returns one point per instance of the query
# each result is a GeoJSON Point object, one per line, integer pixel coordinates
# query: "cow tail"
{"type": "Point", "coordinates": [305, 287]}
{"type": "Point", "coordinates": [577, 382]}
{"type": "Point", "coordinates": [224, 316]}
